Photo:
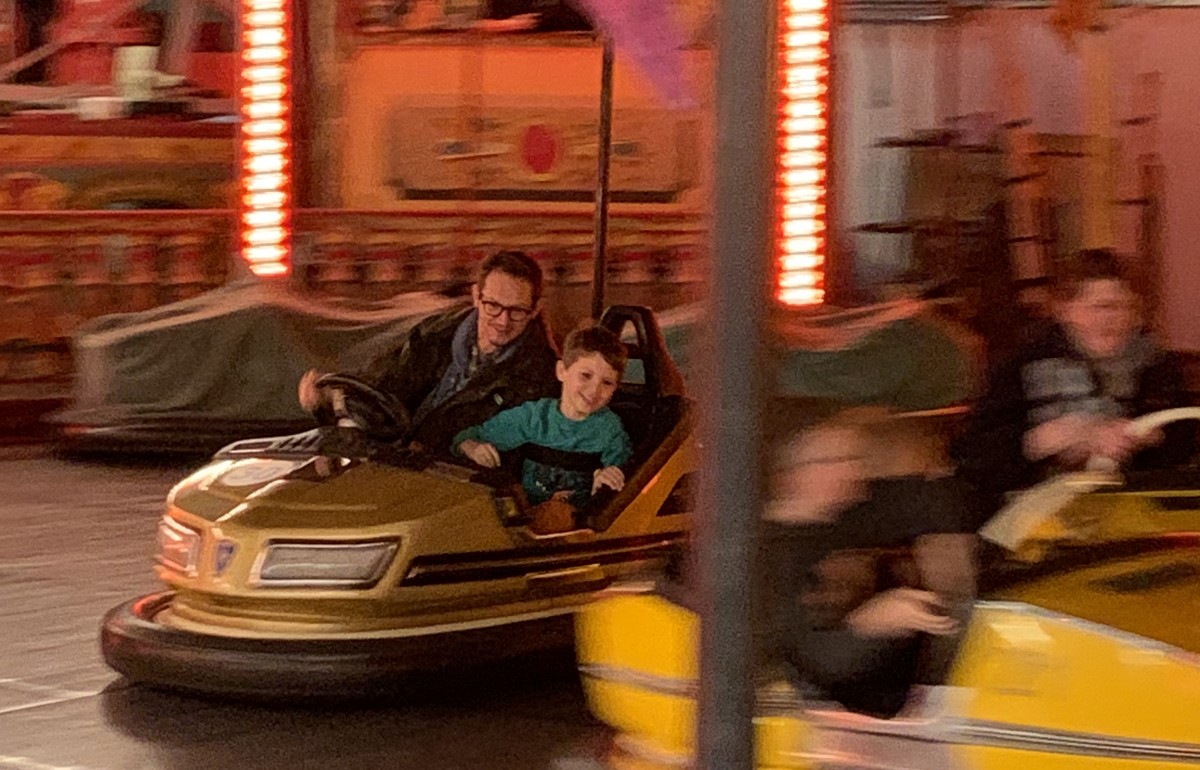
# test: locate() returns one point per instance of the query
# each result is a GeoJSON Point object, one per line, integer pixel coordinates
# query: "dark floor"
{"type": "Point", "coordinates": [76, 539]}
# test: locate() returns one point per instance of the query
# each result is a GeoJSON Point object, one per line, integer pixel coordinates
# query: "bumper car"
{"type": "Point", "coordinates": [1082, 650]}
{"type": "Point", "coordinates": [332, 564]}
{"type": "Point", "coordinates": [188, 378]}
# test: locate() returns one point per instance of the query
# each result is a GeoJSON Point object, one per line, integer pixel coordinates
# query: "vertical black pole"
{"type": "Point", "coordinates": [730, 420]}
{"type": "Point", "coordinates": [604, 138]}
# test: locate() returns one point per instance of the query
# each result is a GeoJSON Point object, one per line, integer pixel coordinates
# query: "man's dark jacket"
{"type": "Point", "coordinates": [412, 371]}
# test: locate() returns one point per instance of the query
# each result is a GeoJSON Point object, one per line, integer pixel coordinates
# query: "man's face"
{"type": "Point", "coordinates": [1101, 318]}
{"type": "Point", "coordinates": [588, 385]}
{"type": "Point", "coordinates": [505, 306]}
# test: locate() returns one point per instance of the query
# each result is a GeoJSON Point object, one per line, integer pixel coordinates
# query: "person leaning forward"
{"type": "Point", "coordinates": [462, 367]}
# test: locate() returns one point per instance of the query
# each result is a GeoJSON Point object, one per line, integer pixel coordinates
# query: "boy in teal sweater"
{"type": "Point", "coordinates": [592, 365]}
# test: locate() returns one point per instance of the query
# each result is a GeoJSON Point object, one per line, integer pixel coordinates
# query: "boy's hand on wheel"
{"type": "Point", "coordinates": [481, 453]}
{"type": "Point", "coordinates": [611, 477]}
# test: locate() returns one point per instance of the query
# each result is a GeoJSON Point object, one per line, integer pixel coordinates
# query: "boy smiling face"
{"type": "Point", "coordinates": [589, 383]}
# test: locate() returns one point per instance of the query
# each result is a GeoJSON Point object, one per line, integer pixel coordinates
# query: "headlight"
{"type": "Point", "coordinates": [178, 546]}
{"type": "Point", "coordinates": [344, 565]}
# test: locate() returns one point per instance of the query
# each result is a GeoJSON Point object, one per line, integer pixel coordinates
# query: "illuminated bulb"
{"type": "Point", "coordinates": [269, 218]}
{"type": "Point", "coordinates": [800, 111]}
{"type": "Point", "coordinates": [260, 254]}
{"type": "Point", "coordinates": [802, 127]}
{"type": "Point", "coordinates": [264, 36]}
{"type": "Point", "coordinates": [265, 183]}
{"type": "Point", "coordinates": [807, 38]}
{"type": "Point", "coordinates": [264, 110]}
{"type": "Point", "coordinates": [264, 91]}
{"type": "Point", "coordinates": [808, 211]}
{"type": "Point", "coordinates": [805, 21]}
{"type": "Point", "coordinates": [264, 146]}
{"type": "Point", "coordinates": [266, 55]}
{"type": "Point", "coordinates": [265, 19]}
{"type": "Point", "coordinates": [804, 56]}
{"type": "Point", "coordinates": [809, 177]}
{"type": "Point", "coordinates": [263, 127]}
{"type": "Point", "coordinates": [265, 73]}
{"type": "Point", "coordinates": [793, 227]}
{"type": "Point", "coordinates": [265, 236]}
{"type": "Point", "coordinates": [264, 164]}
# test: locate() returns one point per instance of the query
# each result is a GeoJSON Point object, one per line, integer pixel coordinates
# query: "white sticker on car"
{"type": "Point", "coordinates": [250, 473]}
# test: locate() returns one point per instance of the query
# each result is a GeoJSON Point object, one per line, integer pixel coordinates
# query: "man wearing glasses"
{"type": "Point", "coordinates": [463, 366]}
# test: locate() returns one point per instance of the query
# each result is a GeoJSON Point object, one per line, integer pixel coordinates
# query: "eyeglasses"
{"type": "Point", "coordinates": [516, 313]}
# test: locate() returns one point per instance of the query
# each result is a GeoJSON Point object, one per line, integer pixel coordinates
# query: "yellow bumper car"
{"type": "Point", "coordinates": [1082, 651]}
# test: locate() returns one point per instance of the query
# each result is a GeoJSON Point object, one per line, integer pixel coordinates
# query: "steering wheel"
{"type": "Point", "coordinates": [1029, 509]}
{"type": "Point", "coordinates": [1142, 426]}
{"type": "Point", "coordinates": [367, 408]}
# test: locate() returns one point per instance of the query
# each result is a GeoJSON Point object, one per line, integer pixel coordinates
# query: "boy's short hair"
{"type": "Point", "coordinates": [1088, 265]}
{"type": "Point", "coordinates": [516, 264]}
{"type": "Point", "coordinates": [595, 339]}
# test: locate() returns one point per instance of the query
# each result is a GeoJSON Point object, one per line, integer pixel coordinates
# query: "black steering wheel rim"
{"type": "Point", "coordinates": [384, 412]}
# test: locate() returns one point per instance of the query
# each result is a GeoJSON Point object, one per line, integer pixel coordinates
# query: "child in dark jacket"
{"type": "Point", "coordinates": [825, 613]}
{"type": "Point", "coordinates": [1069, 393]}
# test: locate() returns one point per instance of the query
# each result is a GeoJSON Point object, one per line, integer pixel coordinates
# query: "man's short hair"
{"type": "Point", "coordinates": [1088, 265]}
{"type": "Point", "coordinates": [516, 264]}
{"type": "Point", "coordinates": [595, 339]}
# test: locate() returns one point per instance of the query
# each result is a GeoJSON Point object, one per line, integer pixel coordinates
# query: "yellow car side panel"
{"type": "Point", "coordinates": [1024, 668]}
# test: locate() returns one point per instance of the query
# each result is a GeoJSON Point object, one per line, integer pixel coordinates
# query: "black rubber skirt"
{"type": "Point", "coordinates": [145, 651]}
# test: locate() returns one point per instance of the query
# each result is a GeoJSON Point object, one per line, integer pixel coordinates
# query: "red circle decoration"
{"type": "Point", "coordinates": [539, 148]}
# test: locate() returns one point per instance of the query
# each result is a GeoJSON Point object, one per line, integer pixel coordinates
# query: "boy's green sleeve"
{"type": "Point", "coordinates": [619, 449]}
{"type": "Point", "coordinates": [507, 430]}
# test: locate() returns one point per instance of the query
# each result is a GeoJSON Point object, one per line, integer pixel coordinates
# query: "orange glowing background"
{"type": "Point", "coordinates": [266, 136]}
{"type": "Point", "coordinates": [803, 151]}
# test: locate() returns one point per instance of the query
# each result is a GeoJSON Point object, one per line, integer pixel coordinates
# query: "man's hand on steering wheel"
{"type": "Point", "coordinates": [358, 404]}
{"type": "Point", "coordinates": [307, 392]}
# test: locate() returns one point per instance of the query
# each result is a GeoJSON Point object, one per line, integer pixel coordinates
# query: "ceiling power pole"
{"type": "Point", "coordinates": [742, 255]}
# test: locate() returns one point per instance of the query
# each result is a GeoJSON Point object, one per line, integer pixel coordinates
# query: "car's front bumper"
{"type": "Point", "coordinates": [144, 650]}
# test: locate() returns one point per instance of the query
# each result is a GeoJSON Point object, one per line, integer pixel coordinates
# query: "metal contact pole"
{"type": "Point", "coordinates": [730, 422]}
{"type": "Point", "coordinates": [604, 165]}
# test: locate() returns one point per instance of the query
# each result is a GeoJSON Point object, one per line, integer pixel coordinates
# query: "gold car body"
{"type": "Point", "coordinates": [456, 559]}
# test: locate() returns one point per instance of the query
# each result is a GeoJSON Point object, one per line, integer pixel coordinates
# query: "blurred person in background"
{"type": "Point", "coordinates": [1069, 393]}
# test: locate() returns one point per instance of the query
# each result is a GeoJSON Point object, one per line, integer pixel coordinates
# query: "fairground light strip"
{"type": "Point", "coordinates": [266, 136]}
{"type": "Point", "coordinates": [803, 149]}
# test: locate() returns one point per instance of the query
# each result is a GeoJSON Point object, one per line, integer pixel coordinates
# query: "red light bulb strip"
{"type": "Point", "coordinates": [266, 136]}
{"type": "Point", "coordinates": [803, 151]}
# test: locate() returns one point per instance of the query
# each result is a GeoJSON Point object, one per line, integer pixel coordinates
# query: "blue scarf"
{"type": "Point", "coordinates": [465, 360]}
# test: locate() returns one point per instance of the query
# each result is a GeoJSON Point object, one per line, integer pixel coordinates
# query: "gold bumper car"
{"type": "Point", "coordinates": [330, 564]}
